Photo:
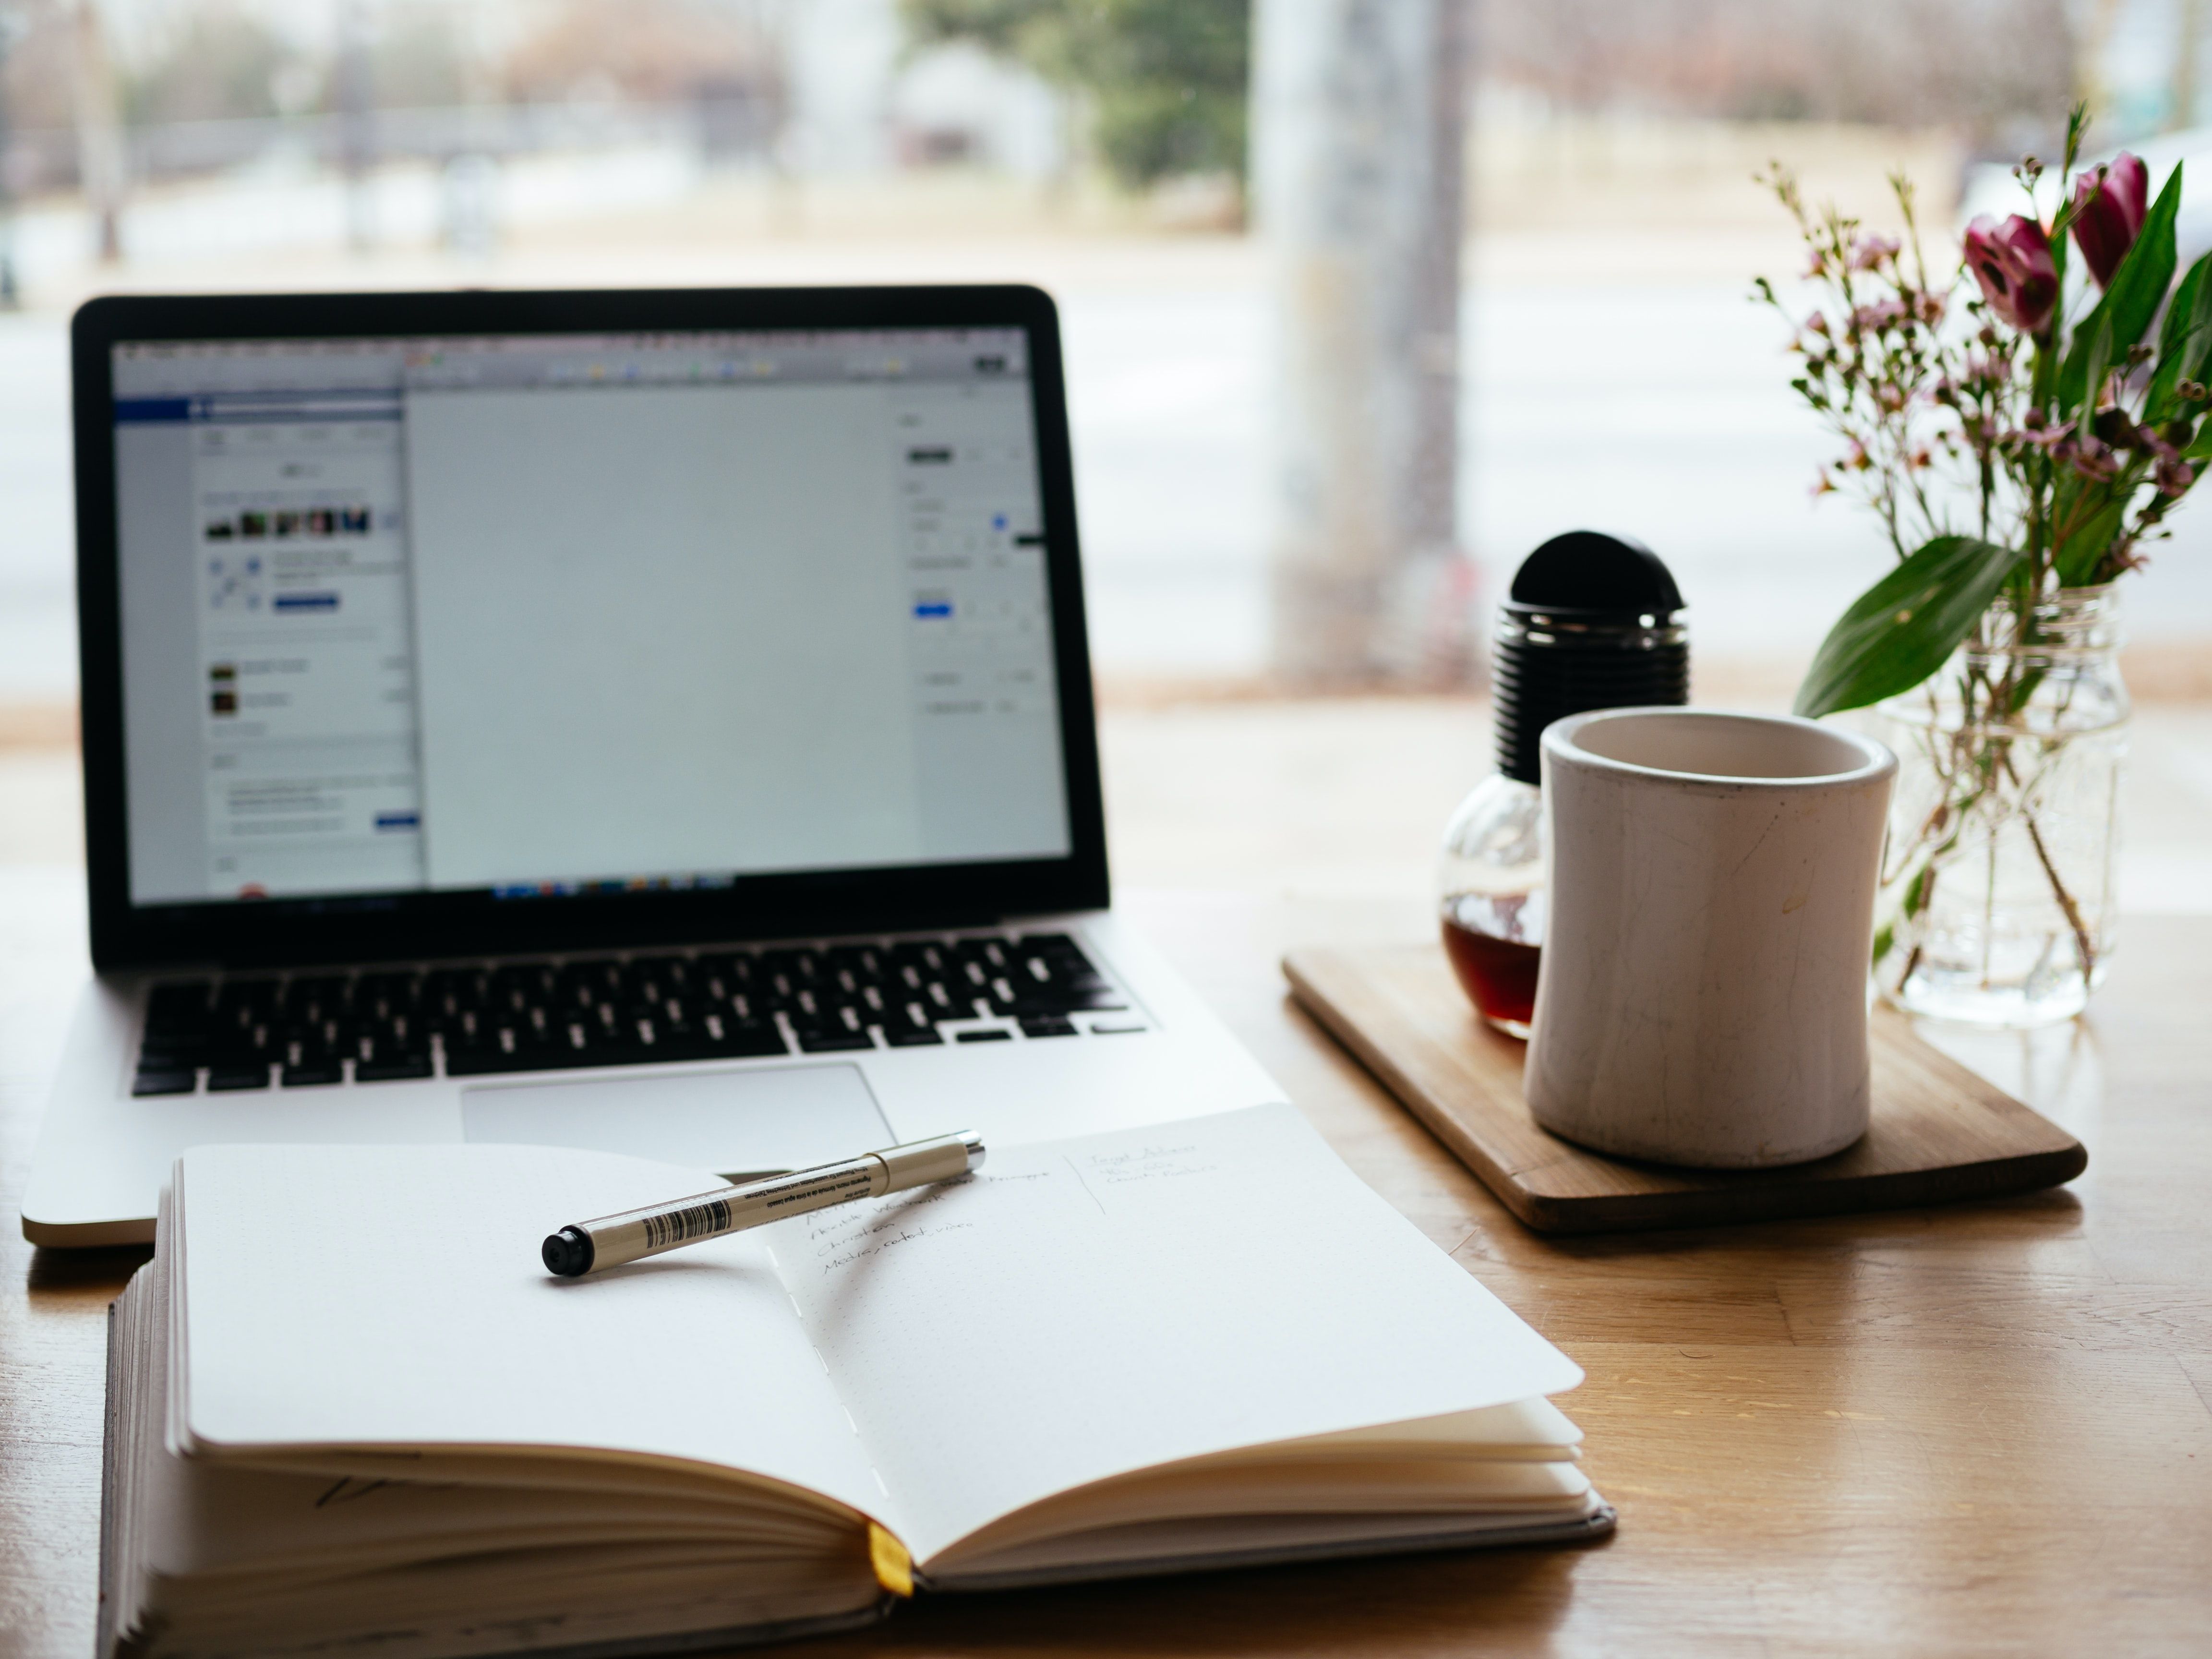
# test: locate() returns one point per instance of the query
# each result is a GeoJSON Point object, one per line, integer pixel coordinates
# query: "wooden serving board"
{"type": "Point", "coordinates": [1940, 1132]}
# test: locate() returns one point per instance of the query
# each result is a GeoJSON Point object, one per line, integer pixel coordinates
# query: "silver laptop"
{"type": "Point", "coordinates": [654, 721]}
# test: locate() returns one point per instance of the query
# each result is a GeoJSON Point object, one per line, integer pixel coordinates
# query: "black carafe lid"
{"type": "Point", "coordinates": [1594, 622]}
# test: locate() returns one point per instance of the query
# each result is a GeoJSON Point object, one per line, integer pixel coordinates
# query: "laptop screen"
{"type": "Point", "coordinates": [548, 615]}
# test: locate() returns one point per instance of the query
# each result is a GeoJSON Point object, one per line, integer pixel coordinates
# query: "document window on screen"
{"type": "Point", "coordinates": [557, 614]}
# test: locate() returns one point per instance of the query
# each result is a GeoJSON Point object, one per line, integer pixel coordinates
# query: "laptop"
{"type": "Point", "coordinates": [653, 721]}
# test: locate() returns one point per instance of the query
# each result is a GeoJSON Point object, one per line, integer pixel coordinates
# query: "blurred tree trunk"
{"type": "Point", "coordinates": [100, 158]}
{"type": "Point", "coordinates": [9, 296]}
{"type": "Point", "coordinates": [357, 109]}
{"type": "Point", "coordinates": [1358, 121]}
{"type": "Point", "coordinates": [2189, 24]}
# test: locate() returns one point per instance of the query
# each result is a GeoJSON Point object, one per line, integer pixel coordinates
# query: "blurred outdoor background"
{"type": "Point", "coordinates": [1579, 341]}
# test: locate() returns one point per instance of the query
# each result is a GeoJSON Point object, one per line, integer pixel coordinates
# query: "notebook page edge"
{"type": "Point", "coordinates": [244, 1192]}
{"type": "Point", "coordinates": [825, 1259]}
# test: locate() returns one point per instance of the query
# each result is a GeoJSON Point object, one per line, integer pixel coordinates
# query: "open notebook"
{"type": "Point", "coordinates": [349, 1410]}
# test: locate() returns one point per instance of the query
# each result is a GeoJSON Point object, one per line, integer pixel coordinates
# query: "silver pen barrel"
{"type": "Point", "coordinates": [610, 1241]}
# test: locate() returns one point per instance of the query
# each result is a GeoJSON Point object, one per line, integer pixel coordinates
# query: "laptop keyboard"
{"type": "Point", "coordinates": [313, 1030]}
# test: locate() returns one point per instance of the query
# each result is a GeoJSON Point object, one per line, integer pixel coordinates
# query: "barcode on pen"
{"type": "Point", "coordinates": [677, 1225]}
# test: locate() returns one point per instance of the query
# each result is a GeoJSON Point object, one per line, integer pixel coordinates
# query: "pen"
{"type": "Point", "coordinates": [612, 1240]}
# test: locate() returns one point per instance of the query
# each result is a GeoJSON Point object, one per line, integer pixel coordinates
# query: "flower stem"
{"type": "Point", "coordinates": [2087, 952]}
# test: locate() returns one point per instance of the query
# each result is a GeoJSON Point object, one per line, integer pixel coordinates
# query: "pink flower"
{"type": "Point", "coordinates": [2108, 212]}
{"type": "Point", "coordinates": [1873, 318]}
{"type": "Point", "coordinates": [1872, 252]}
{"type": "Point", "coordinates": [2174, 475]}
{"type": "Point", "coordinates": [2012, 263]}
{"type": "Point", "coordinates": [2096, 463]}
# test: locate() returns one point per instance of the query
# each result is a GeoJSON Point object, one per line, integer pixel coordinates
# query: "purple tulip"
{"type": "Point", "coordinates": [2108, 212]}
{"type": "Point", "coordinates": [2012, 263]}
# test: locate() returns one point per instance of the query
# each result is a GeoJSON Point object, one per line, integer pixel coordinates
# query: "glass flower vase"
{"type": "Point", "coordinates": [1998, 882]}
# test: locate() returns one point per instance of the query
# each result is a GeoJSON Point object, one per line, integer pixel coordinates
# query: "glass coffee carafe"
{"type": "Point", "coordinates": [1593, 622]}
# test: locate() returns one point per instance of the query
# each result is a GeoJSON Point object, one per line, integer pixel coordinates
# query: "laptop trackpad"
{"type": "Point", "coordinates": [786, 1117]}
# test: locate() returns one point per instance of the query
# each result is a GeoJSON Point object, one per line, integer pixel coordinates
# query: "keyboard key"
{"type": "Point", "coordinates": [1048, 1025]}
{"type": "Point", "coordinates": [171, 1053]}
{"type": "Point", "coordinates": [179, 1005]}
{"type": "Point", "coordinates": [629, 1052]}
{"type": "Point", "coordinates": [993, 1036]}
{"type": "Point", "coordinates": [381, 996]}
{"type": "Point", "coordinates": [865, 963]}
{"type": "Point", "coordinates": [317, 998]}
{"type": "Point", "coordinates": [724, 974]}
{"type": "Point", "coordinates": [743, 1039]}
{"type": "Point", "coordinates": [255, 996]}
{"type": "Point", "coordinates": [448, 992]}
{"type": "Point", "coordinates": [831, 1039]}
{"type": "Point", "coordinates": [311, 1074]}
{"type": "Point", "coordinates": [163, 1083]}
{"type": "Point", "coordinates": [909, 1037]}
{"type": "Point", "coordinates": [227, 1079]}
{"type": "Point", "coordinates": [652, 978]}
{"type": "Point", "coordinates": [924, 961]}
{"type": "Point", "coordinates": [485, 1059]}
{"type": "Point", "coordinates": [392, 1069]}
{"type": "Point", "coordinates": [990, 953]}
{"type": "Point", "coordinates": [798, 967]}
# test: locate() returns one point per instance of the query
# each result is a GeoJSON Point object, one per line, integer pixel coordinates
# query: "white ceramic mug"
{"type": "Point", "coordinates": [1702, 997]}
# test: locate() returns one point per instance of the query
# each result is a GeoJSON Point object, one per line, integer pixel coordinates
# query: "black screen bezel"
{"type": "Point", "coordinates": [396, 926]}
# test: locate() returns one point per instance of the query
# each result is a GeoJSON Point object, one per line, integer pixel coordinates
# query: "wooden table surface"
{"type": "Point", "coordinates": [1979, 1429]}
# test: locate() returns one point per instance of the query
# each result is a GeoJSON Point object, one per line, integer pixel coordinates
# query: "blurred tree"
{"type": "Point", "coordinates": [652, 50]}
{"type": "Point", "coordinates": [1165, 80]}
{"type": "Point", "coordinates": [37, 75]}
{"type": "Point", "coordinates": [418, 60]}
{"type": "Point", "coordinates": [1359, 154]}
{"type": "Point", "coordinates": [221, 64]}
{"type": "Point", "coordinates": [1982, 66]}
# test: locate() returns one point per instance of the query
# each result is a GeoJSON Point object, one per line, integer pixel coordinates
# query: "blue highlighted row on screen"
{"type": "Point", "coordinates": [266, 408]}
{"type": "Point", "coordinates": [399, 821]}
{"type": "Point", "coordinates": [934, 608]}
{"type": "Point", "coordinates": [305, 602]}
{"type": "Point", "coordinates": [676, 884]}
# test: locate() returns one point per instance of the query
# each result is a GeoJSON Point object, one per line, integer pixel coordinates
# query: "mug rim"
{"type": "Point", "coordinates": [1557, 742]}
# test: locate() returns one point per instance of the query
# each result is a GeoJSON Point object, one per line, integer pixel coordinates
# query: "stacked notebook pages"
{"type": "Point", "coordinates": [347, 1409]}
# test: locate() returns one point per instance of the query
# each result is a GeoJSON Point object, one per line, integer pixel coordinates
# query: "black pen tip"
{"type": "Point", "coordinates": [568, 1254]}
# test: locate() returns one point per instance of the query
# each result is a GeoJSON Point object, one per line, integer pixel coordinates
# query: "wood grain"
{"type": "Point", "coordinates": [1976, 1429]}
{"type": "Point", "coordinates": [1939, 1133]}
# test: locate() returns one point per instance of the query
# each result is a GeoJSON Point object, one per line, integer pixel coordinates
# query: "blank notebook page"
{"type": "Point", "coordinates": [393, 1295]}
{"type": "Point", "coordinates": [1086, 1308]}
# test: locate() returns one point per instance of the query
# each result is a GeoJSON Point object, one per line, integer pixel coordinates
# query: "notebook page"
{"type": "Point", "coordinates": [393, 1296]}
{"type": "Point", "coordinates": [1084, 1308]}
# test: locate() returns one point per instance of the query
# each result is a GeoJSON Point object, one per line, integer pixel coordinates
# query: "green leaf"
{"type": "Point", "coordinates": [2184, 340]}
{"type": "Point", "coordinates": [2077, 556]}
{"type": "Point", "coordinates": [1901, 631]}
{"type": "Point", "coordinates": [2131, 302]}
{"type": "Point", "coordinates": [2099, 364]}
{"type": "Point", "coordinates": [1915, 895]}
